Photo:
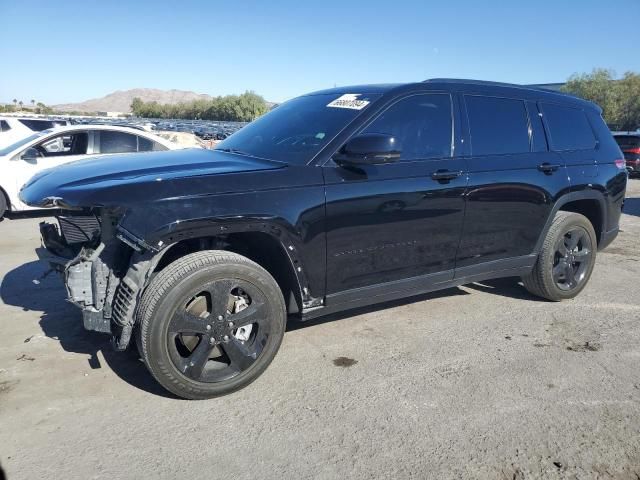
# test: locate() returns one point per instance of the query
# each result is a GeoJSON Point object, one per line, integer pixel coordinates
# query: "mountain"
{"type": "Point", "coordinates": [120, 101]}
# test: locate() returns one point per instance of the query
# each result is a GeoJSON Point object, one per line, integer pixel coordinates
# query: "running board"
{"type": "Point", "coordinates": [409, 287]}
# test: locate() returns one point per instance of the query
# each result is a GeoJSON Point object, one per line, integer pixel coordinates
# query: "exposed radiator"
{"type": "Point", "coordinates": [79, 229]}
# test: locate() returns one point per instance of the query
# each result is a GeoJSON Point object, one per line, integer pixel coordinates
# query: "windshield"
{"type": "Point", "coordinates": [297, 130]}
{"type": "Point", "coordinates": [10, 148]}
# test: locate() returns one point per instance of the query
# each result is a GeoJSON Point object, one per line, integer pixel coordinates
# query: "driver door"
{"type": "Point", "coordinates": [48, 153]}
{"type": "Point", "coordinates": [397, 226]}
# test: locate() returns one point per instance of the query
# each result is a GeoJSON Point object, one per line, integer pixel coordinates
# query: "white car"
{"type": "Point", "coordinates": [50, 148]}
{"type": "Point", "coordinates": [13, 129]}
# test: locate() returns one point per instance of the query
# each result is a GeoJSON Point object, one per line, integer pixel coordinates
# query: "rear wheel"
{"type": "Point", "coordinates": [566, 259]}
{"type": "Point", "coordinates": [210, 324]}
{"type": "Point", "coordinates": [3, 204]}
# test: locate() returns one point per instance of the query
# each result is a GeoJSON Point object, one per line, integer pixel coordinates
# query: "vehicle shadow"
{"type": "Point", "coordinates": [63, 322]}
{"type": "Point", "coordinates": [632, 206]}
{"type": "Point", "coordinates": [506, 287]}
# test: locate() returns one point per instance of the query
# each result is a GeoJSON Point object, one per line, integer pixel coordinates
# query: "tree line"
{"type": "Point", "coordinates": [619, 99]}
{"type": "Point", "coordinates": [19, 106]}
{"type": "Point", "coordinates": [236, 108]}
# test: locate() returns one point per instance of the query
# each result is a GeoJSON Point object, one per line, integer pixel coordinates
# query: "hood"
{"type": "Point", "coordinates": [116, 180]}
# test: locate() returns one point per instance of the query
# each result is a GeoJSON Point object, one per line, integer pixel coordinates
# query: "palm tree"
{"type": "Point", "coordinates": [33, 103]}
{"type": "Point", "coordinates": [15, 102]}
{"type": "Point", "coordinates": [20, 103]}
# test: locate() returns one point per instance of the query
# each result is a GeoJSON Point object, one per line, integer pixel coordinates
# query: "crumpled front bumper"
{"type": "Point", "coordinates": [83, 278]}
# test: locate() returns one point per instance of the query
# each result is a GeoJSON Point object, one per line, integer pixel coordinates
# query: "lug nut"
{"type": "Point", "coordinates": [230, 324]}
{"type": "Point", "coordinates": [208, 327]}
{"type": "Point", "coordinates": [212, 341]}
{"type": "Point", "coordinates": [220, 317]}
{"type": "Point", "coordinates": [225, 338]}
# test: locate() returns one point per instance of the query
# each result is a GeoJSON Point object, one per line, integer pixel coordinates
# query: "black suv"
{"type": "Point", "coordinates": [333, 200]}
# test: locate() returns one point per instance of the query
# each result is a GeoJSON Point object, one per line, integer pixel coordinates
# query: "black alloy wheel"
{"type": "Point", "coordinates": [573, 256]}
{"type": "Point", "coordinates": [210, 323]}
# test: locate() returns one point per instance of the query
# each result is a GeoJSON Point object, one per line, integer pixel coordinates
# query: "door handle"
{"type": "Point", "coordinates": [445, 175]}
{"type": "Point", "coordinates": [548, 167]}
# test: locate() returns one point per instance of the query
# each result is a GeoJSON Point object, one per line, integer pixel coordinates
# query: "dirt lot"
{"type": "Point", "coordinates": [482, 381]}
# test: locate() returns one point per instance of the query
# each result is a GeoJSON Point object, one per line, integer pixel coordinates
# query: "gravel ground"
{"type": "Point", "coordinates": [482, 381]}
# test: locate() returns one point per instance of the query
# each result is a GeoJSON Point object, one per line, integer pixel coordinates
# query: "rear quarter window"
{"type": "Point", "coordinates": [569, 128]}
{"type": "Point", "coordinates": [4, 126]}
{"type": "Point", "coordinates": [146, 145]}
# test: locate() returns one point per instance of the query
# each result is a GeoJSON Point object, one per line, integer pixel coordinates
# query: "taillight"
{"type": "Point", "coordinates": [633, 150]}
{"type": "Point", "coordinates": [621, 163]}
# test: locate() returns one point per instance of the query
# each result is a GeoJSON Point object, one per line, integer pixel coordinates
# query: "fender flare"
{"type": "Point", "coordinates": [161, 242]}
{"type": "Point", "coordinates": [572, 197]}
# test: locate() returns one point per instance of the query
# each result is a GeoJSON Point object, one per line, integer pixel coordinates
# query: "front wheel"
{"type": "Point", "coordinates": [210, 323]}
{"type": "Point", "coordinates": [566, 259]}
{"type": "Point", "coordinates": [3, 205]}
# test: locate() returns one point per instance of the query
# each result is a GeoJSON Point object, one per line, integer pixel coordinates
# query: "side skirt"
{"type": "Point", "coordinates": [408, 287]}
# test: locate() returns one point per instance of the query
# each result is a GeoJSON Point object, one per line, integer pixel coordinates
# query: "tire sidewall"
{"type": "Point", "coordinates": [548, 256]}
{"type": "Point", "coordinates": [3, 205]}
{"type": "Point", "coordinates": [157, 354]}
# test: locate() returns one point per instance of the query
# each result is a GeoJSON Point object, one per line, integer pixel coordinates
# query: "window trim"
{"type": "Point", "coordinates": [404, 97]}
{"type": "Point", "coordinates": [547, 129]}
{"type": "Point", "coordinates": [499, 97]}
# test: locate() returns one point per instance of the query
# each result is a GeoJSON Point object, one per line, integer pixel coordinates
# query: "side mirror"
{"type": "Point", "coordinates": [369, 149]}
{"type": "Point", "coordinates": [31, 155]}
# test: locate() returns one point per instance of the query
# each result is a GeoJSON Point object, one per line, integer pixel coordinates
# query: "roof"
{"type": "Point", "coordinates": [478, 86]}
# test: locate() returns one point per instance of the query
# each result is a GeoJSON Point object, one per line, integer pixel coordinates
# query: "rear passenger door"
{"type": "Point", "coordinates": [513, 182]}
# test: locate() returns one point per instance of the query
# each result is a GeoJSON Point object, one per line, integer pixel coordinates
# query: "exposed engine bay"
{"type": "Point", "coordinates": [94, 256]}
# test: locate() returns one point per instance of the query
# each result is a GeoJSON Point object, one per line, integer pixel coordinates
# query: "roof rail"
{"type": "Point", "coordinates": [500, 84]}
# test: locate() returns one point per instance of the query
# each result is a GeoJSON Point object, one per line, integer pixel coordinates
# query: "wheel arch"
{"type": "Point", "coordinates": [591, 204]}
{"type": "Point", "coordinates": [272, 252]}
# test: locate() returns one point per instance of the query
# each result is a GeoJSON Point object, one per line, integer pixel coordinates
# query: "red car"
{"type": "Point", "coordinates": [630, 145]}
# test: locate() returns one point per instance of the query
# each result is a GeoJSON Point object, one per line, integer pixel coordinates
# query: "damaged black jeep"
{"type": "Point", "coordinates": [334, 200]}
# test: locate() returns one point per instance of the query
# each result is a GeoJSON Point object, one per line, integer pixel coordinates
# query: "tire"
{"type": "Point", "coordinates": [562, 269]}
{"type": "Point", "coordinates": [187, 331]}
{"type": "Point", "coordinates": [3, 205]}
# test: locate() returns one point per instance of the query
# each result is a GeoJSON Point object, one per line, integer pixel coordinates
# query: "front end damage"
{"type": "Point", "coordinates": [103, 267]}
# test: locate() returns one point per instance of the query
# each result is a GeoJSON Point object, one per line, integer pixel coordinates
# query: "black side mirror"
{"type": "Point", "coordinates": [31, 155]}
{"type": "Point", "coordinates": [369, 149]}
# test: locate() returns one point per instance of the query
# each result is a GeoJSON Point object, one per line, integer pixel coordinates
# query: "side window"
{"type": "Point", "coordinates": [65, 144]}
{"type": "Point", "coordinates": [568, 127]}
{"type": "Point", "coordinates": [421, 123]}
{"type": "Point", "coordinates": [146, 145]}
{"type": "Point", "coordinates": [498, 125]}
{"type": "Point", "coordinates": [117, 142]}
{"type": "Point", "coordinates": [4, 126]}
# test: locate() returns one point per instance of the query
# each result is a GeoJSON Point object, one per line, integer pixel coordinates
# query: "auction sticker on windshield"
{"type": "Point", "coordinates": [349, 100]}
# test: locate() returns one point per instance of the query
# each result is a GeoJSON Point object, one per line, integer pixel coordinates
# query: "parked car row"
{"type": "Point", "coordinates": [205, 129]}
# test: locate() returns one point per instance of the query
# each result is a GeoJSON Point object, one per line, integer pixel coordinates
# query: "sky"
{"type": "Point", "coordinates": [70, 51]}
